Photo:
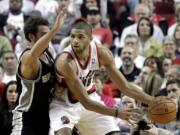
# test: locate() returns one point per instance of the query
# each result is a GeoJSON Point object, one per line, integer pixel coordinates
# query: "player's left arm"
{"type": "Point", "coordinates": [129, 89]}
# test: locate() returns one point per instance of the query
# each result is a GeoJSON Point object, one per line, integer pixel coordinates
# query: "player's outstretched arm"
{"type": "Point", "coordinates": [106, 59]}
{"type": "Point", "coordinates": [30, 59]}
{"type": "Point", "coordinates": [43, 42]}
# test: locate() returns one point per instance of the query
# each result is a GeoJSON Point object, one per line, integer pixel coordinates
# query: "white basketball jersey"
{"type": "Point", "coordinates": [85, 72]}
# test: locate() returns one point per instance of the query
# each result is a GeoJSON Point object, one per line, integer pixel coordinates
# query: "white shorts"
{"type": "Point", "coordinates": [87, 122]}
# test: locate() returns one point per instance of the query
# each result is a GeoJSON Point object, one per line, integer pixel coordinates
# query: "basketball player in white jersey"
{"type": "Point", "coordinates": [75, 68]}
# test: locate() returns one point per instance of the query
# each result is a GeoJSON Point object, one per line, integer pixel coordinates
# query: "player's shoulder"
{"type": "Point", "coordinates": [102, 49]}
{"type": "Point", "coordinates": [64, 57]}
{"type": "Point", "coordinates": [25, 57]}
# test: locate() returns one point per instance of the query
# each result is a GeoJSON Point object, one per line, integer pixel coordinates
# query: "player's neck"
{"type": "Point", "coordinates": [84, 55]}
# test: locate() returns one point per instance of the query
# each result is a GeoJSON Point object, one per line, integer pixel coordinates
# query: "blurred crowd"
{"type": "Point", "coordinates": [143, 36]}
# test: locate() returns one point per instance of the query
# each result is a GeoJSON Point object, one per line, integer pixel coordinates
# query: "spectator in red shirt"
{"type": "Point", "coordinates": [103, 34]}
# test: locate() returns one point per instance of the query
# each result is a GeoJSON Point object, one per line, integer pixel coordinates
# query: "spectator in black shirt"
{"type": "Point", "coordinates": [128, 68]}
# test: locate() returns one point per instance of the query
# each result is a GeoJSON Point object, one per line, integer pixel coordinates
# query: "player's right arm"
{"type": "Point", "coordinates": [66, 67]}
{"type": "Point", "coordinates": [30, 59]}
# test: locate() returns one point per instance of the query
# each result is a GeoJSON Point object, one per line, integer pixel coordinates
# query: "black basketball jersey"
{"type": "Point", "coordinates": [32, 109]}
{"type": "Point", "coordinates": [34, 94]}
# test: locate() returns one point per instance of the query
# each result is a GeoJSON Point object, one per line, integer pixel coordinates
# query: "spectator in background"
{"type": "Point", "coordinates": [152, 84]}
{"type": "Point", "coordinates": [28, 6]}
{"type": "Point", "coordinates": [155, 18]}
{"type": "Point", "coordinates": [173, 72]}
{"type": "Point", "coordinates": [13, 22]}
{"type": "Point", "coordinates": [171, 28]}
{"type": "Point", "coordinates": [101, 4]}
{"type": "Point", "coordinates": [98, 31]}
{"type": "Point", "coordinates": [155, 63]}
{"type": "Point", "coordinates": [141, 10]}
{"type": "Point", "coordinates": [125, 126]}
{"type": "Point", "coordinates": [10, 66]}
{"type": "Point", "coordinates": [47, 8]}
{"type": "Point", "coordinates": [4, 4]}
{"type": "Point", "coordinates": [7, 105]}
{"type": "Point", "coordinates": [133, 42]}
{"type": "Point", "coordinates": [103, 92]}
{"type": "Point", "coordinates": [128, 68]}
{"type": "Point", "coordinates": [148, 45]}
{"type": "Point", "coordinates": [75, 6]}
{"type": "Point", "coordinates": [5, 45]}
{"type": "Point", "coordinates": [15, 18]}
{"type": "Point", "coordinates": [170, 49]}
{"type": "Point", "coordinates": [176, 37]}
{"type": "Point", "coordinates": [140, 80]}
{"type": "Point", "coordinates": [166, 63]}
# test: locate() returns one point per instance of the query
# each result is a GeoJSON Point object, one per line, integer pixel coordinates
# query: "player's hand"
{"type": "Point", "coordinates": [60, 19]}
{"type": "Point", "coordinates": [130, 114]}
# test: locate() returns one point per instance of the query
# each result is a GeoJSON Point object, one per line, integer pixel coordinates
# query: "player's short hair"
{"type": "Point", "coordinates": [81, 23]}
{"type": "Point", "coordinates": [31, 25]}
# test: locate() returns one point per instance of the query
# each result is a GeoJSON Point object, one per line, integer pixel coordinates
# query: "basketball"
{"type": "Point", "coordinates": [162, 110]}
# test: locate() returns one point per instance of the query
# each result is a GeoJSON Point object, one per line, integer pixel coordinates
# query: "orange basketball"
{"type": "Point", "coordinates": [162, 110]}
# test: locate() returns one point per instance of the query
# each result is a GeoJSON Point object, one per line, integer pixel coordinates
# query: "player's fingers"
{"type": "Point", "coordinates": [133, 123]}
{"type": "Point", "coordinates": [136, 110]}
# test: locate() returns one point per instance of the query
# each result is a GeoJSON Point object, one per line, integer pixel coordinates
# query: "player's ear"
{"type": "Point", "coordinates": [31, 37]}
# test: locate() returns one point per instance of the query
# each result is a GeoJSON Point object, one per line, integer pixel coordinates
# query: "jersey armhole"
{"type": "Point", "coordinates": [98, 53]}
{"type": "Point", "coordinates": [58, 73]}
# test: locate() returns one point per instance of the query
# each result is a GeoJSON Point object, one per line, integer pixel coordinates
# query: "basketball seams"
{"type": "Point", "coordinates": [162, 110]}
{"type": "Point", "coordinates": [164, 113]}
{"type": "Point", "coordinates": [160, 104]}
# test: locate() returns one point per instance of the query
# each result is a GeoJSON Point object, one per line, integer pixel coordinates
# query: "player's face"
{"type": "Point", "coordinates": [79, 40]}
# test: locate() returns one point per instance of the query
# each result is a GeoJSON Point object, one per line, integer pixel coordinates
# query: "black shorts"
{"type": "Point", "coordinates": [28, 124]}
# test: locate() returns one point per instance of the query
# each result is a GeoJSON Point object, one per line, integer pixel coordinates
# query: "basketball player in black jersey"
{"type": "Point", "coordinates": [35, 78]}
